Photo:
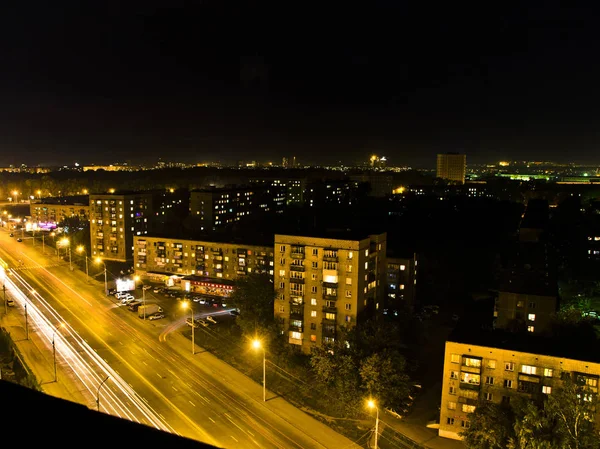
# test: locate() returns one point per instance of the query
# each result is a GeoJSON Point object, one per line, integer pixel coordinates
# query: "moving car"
{"type": "Point", "coordinates": [156, 316]}
{"type": "Point", "coordinates": [202, 301]}
{"type": "Point", "coordinates": [234, 312]}
{"type": "Point", "coordinates": [10, 302]}
{"type": "Point", "coordinates": [156, 290]}
{"type": "Point", "coordinates": [211, 319]}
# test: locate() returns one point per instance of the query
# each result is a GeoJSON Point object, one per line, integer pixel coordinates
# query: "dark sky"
{"type": "Point", "coordinates": [195, 81]}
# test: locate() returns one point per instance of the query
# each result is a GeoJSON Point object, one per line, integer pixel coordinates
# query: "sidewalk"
{"type": "Point", "coordinates": [37, 356]}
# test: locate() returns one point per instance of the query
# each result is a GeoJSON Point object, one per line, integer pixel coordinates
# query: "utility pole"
{"type": "Point", "coordinates": [26, 323]}
{"type": "Point", "coordinates": [54, 355]}
{"type": "Point", "coordinates": [5, 301]}
{"type": "Point", "coordinates": [98, 394]}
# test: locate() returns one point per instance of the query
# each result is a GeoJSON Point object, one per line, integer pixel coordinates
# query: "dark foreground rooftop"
{"type": "Point", "coordinates": [40, 420]}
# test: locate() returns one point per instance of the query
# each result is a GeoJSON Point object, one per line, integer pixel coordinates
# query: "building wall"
{"type": "Point", "coordinates": [114, 220]}
{"type": "Point", "coordinates": [200, 258]}
{"type": "Point", "coordinates": [217, 208]}
{"type": "Point", "coordinates": [42, 213]}
{"type": "Point", "coordinates": [532, 311]}
{"type": "Point", "coordinates": [451, 167]}
{"type": "Point", "coordinates": [526, 374]}
{"type": "Point", "coordinates": [401, 280]}
{"type": "Point", "coordinates": [320, 285]}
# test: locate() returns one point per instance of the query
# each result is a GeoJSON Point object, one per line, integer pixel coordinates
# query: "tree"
{"type": "Point", "coordinates": [254, 296]}
{"type": "Point", "coordinates": [383, 375]}
{"type": "Point", "coordinates": [533, 429]}
{"type": "Point", "coordinates": [491, 426]}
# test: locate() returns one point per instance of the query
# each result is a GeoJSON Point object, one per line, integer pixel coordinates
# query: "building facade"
{"type": "Point", "coordinates": [401, 282]}
{"type": "Point", "coordinates": [475, 373]}
{"type": "Point", "coordinates": [322, 284]}
{"type": "Point", "coordinates": [290, 189]}
{"type": "Point", "coordinates": [170, 256]}
{"type": "Point", "coordinates": [115, 219]}
{"type": "Point", "coordinates": [452, 167]}
{"type": "Point", "coordinates": [216, 208]}
{"type": "Point", "coordinates": [56, 213]}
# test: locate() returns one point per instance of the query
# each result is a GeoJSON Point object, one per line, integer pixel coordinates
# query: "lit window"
{"type": "Point", "coordinates": [296, 335]}
{"type": "Point", "coordinates": [467, 409]}
{"type": "Point", "coordinates": [348, 281]}
{"type": "Point", "coordinates": [282, 285]}
{"type": "Point", "coordinates": [313, 338]}
{"type": "Point", "coordinates": [489, 396]}
{"type": "Point", "coordinates": [282, 273]}
{"type": "Point", "coordinates": [548, 372]}
{"type": "Point", "coordinates": [530, 328]}
{"type": "Point", "coordinates": [350, 254]}
{"type": "Point", "coordinates": [281, 309]}
{"type": "Point", "coordinates": [401, 286]}
{"type": "Point", "coordinates": [470, 378]}
{"type": "Point", "coordinates": [546, 389]}
{"type": "Point", "coordinates": [455, 358]}
{"type": "Point", "coordinates": [366, 265]}
{"type": "Point", "coordinates": [531, 317]}
{"type": "Point", "coordinates": [348, 306]}
{"type": "Point", "coordinates": [451, 405]}
{"type": "Point", "coordinates": [453, 374]}
{"type": "Point", "coordinates": [366, 252]}
{"type": "Point", "coordinates": [313, 313]}
{"type": "Point", "coordinates": [313, 301]}
{"type": "Point", "coordinates": [528, 369]}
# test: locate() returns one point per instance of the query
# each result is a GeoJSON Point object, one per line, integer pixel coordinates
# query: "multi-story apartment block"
{"type": "Point", "coordinates": [401, 282]}
{"type": "Point", "coordinates": [115, 219]}
{"type": "Point", "coordinates": [496, 367]}
{"type": "Point", "coordinates": [288, 190]}
{"type": "Point", "coordinates": [324, 283]}
{"type": "Point", "coordinates": [380, 184]}
{"type": "Point", "coordinates": [334, 192]}
{"type": "Point", "coordinates": [528, 290]}
{"type": "Point", "coordinates": [452, 167]}
{"type": "Point", "coordinates": [215, 208]}
{"type": "Point", "coordinates": [54, 212]}
{"type": "Point", "coordinates": [200, 258]}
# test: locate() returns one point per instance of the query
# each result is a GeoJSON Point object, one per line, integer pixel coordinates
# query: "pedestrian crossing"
{"type": "Point", "coordinates": [36, 266]}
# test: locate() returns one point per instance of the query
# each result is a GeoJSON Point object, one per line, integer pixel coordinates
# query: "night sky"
{"type": "Point", "coordinates": [197, 81]}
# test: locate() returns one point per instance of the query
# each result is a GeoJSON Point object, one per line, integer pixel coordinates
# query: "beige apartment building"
{"type": "Point", "coordinates": [452, 167]}
{"type": "Point", "coordinates": [172, 256]}
{"type": "Point", "coordinates": [56, 213]}
{"type": "Point", "coordinates": [325, 283]}
{"type": "Point", "coordinates": [115, 219]}
{"type": "Point", "coordinates": [496, 372]}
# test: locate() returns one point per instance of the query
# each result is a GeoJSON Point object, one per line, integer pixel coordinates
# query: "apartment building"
{"type": "Point", "coordinates": [528, 290]}
{"type": "Point", "coordinates": [114, 219]}
{"type": "Point", "coordinates": [401, 282]}
{"type": "Point", "coordinates": [289, 190]}
{"type": "Point", "coordinates": [209, 267]}
{"type": "Point", "coordinates": [325, 283]}
{"type": "Point", "coordinates": [497, 366]}
{"type": "Point", "coordinates": [215, 208]}
{"type": "Point", "coordinates": [452, 167]}
{"type": "Point", "coordinates": [55, 212]}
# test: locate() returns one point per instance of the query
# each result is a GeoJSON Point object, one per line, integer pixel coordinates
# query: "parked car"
{"type": "Point", "coordinates": [11, 234]}
{"type": "Point", "coordinates": [234, 312]}
{"type": "Point", "coordinates": [19, 239]}
{"type": "Point", "coordinates": [202, 301]}
{"type": "Point", "coordinates": [10, 302]}
{"type": "Point", "coordinates": [112, 291]}
{"type": "Point", "coordinates": [156, 290]}
{"type": "Point", "coordinates": [211, 319]}
{"type": "Point", "coordinates": [202, 323]}
{"type": "Point", "coordinates": [156, 316]}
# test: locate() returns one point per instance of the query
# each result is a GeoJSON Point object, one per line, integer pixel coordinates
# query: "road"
{"type": "Point", "coordinates": [196, 396]}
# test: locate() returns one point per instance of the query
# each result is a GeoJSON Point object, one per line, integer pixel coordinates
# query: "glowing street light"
{"type": "Point", "coordinates": [257, 344]}
{"type": "Point", "coordinates": [111, 190]}
{"type": "Point", "coordinates": [81, 249]}
{"type": "Point", "coordinates": [185, 305]}
{"type": "Point", "coordinates": [99, 261]}
{"type": "Point", "coordinates": [85, 191]}
{"type": "Point", "coordinates": [16, 194]}
{"type": "Point", "coordinates": [136, 279]}
{"type": "Point", "coordinates": [373, 405]}
{"type": "Point", "coordinates": [39, 194]}
{"type": "Point", "coordinates": [65, 242]}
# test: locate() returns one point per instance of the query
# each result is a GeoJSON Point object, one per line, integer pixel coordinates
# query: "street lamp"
{"type": "Point", "coordinates": [65, 242]}
{"type": "Point", "coordinates": [61, 325]}
{"type": "Point", "coordinates": [81, 249]}
{"type": "Point", "coordinates": [39, 194]}
{"type": "Point", "coordinates": [98, 393]}
{"type": "Point", "coordinates": [373, 405]}
{"type": "Point", "coordinates": [26, 317]}
{"type": "Point", "coordinates": [99, 260]}
{"type": "Point", "coordinates": [257, 344]}
{"type": "Point", "coordinates": [185, 305]}
{"type": "Point", "coordinates": [137, 278]}
{"type": "Point", "coordinates": [15, 193]}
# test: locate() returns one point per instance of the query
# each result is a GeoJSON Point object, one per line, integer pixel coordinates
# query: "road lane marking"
{"type": "Point", "coordinates": [212, 420]}
{"type": "Point", "coordinates": [234, 438]}
{"type": "Point", "coordinates": [192, 403]}
{"type": "Point", "coordinates": [144, 362]}
{"type": "Point", "coordinates": [145, 400]}
{"type": "Point", "coordinates": [162, 417]}
{"type": "Point", "coordinates": [250, 433]}
{"type": "Point", "coordinates": [159, 375]}
{"type": "Point", "coordinates": [174, 388]}
{"type": "Point", "coordinates": [121, 343]}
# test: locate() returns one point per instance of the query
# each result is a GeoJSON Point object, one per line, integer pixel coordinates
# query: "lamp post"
{"type": "Point", "coordinates": [185, 305]}
{"type": "Point", "coordinates": [98, 260]}
{"type": "Point", "coordinates": [26, 323]}
{"type": "Point", "coordinates": [81, 249]}
{"type": "Point", "coordinates": [16, 194]}
{"type": "Point", "coordinates": [373, 405]}
{"type": "Point", "coordinates": [257, 344]}
{"type": "Point", "coordinates": [137, 278]}
{"type": "Point", "coordinates": [65, 242]}
{"type": "Point", "coordinates": [39, 194]}
{"type": "Point", "coordinates": [98, 393]}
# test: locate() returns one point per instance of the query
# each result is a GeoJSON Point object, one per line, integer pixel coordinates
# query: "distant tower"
{"type": "Point", "coordinates": [452, 167]}
{"type": "Point", "coordinates": [284, 162]}
{"type": "Point", "coordinates": [294, 162]}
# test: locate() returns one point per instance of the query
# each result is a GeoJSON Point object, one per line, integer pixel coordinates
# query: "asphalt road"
{"type": "Point", "coordinates": [195, 394]}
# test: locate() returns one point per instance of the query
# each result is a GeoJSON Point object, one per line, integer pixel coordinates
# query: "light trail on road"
{"type": "Point", "coordinates": [85, 363]}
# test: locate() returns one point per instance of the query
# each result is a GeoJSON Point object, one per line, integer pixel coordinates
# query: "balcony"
{"type": "Point", "coordinates": [296, 280]}
{"type": "Point", "coordinates": [297, 293]}
{"type": "Point", "coordinates": [330, 309]}
{"type": "Point", "coordinates": [297, 255]}
{"type": "Point", "coordinates": [330, 285]}
{"type": "Point", "coordinates": [240, 272]}
{"type": "Point", "coordinates": [294, 328]}
{"type": "Point", "coordinates": [217, 251]}
{"type": "Point", "coordinates": [297, 268]}
{"type": "Point", "coordinates": [330, 296]}
{"type": "Point", "coordinates": [330, 256]}
{"type": "Point", "coordinates": [468, 386]}
{"type": "Point", "coordinates": [471, 369]}
{"type": "Point", "coordinates": [296, 314]}
{"type": "Point", "coordinates": [328, 331]}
